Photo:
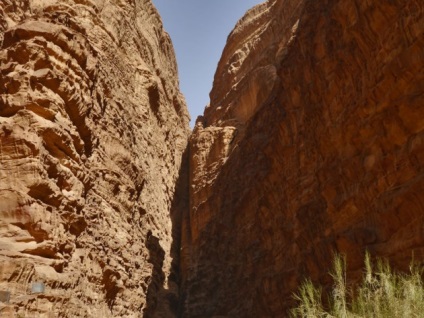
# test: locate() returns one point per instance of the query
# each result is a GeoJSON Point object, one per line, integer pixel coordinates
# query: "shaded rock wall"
{"type": "Point", "coordinates": [92, 132]}
{"type": "Point", "coordinates": [313, 143]}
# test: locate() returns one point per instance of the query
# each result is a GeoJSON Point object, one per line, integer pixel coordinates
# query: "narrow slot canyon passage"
{"type": "Point", "coordinates": [310, 144]}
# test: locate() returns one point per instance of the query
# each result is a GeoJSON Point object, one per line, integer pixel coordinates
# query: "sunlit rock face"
{"type": "Point", "coordinates": [92, 132]}
{"type": "Point", "coordinates": [312, 144]}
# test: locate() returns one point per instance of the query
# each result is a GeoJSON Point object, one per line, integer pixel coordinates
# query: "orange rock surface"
{"type": "Point", "coordinates": [313, 143]}
{"type": "Point", "coordinates": [92, 132]}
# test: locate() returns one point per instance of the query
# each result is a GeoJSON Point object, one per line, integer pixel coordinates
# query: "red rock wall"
{"type": "Point", "coordinates": [92, 132]}
{"type": "Point", "coordinates": [313, 144]}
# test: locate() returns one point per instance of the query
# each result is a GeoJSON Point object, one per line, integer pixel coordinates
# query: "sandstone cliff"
{"type": "Point", "coordinates": [313, 142]}
{"type": "Point", "coordinates": [92, 132]}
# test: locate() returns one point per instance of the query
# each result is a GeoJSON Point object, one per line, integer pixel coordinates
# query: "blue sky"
{"type": "Point", "coordinates": [199, 30]}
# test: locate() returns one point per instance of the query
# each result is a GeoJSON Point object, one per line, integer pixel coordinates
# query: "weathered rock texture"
{"type": "Point", "coordinates": [92, 132]}
{"type": "Point", "coordinates": [313, 143]}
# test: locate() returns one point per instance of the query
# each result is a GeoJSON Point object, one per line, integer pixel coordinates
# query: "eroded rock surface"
{"type": "Point", "coordinates": [313, 143]}
{"type": "Point", "coordinates": [92, 132]}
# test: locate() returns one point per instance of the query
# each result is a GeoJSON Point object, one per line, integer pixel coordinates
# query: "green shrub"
{"type": "Point", "coordinates": [382, 293]}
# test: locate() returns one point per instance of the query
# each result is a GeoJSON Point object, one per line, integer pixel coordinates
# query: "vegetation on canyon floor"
{"type": "Point", "coordinates": [381, 293]}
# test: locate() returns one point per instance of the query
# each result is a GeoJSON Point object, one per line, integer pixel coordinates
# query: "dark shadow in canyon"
{"type": "Point", "coordinates": [156, 258]}
{"type": "Point", "coordinates": [166, 301]}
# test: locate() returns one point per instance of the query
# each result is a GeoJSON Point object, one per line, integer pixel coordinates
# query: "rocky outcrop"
{"type": "Point", "coordinates": [313, 143]}
{"type": "Point", "coordinates": [92, 133]}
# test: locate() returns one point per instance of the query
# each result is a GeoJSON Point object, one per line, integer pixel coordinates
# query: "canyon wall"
{"type": "Point", "coordinates": [92, 133]}
{"type": "Point", "coordinates": [313, 143]}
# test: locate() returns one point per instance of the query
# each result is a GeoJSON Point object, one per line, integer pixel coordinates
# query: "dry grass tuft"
{"type": "Point", "coordinates": [382, 294]}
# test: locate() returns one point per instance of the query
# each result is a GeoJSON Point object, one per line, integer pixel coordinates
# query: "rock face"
{"type": "Point", "coordinates": [313, 143]}
{"type": "Point", "coordinates": [92, 132]}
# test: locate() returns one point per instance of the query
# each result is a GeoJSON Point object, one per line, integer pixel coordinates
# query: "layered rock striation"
{"type": "Point", "coordinates": [313, 143]}
{"type": "Point", "coordinates": [92, 132]}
